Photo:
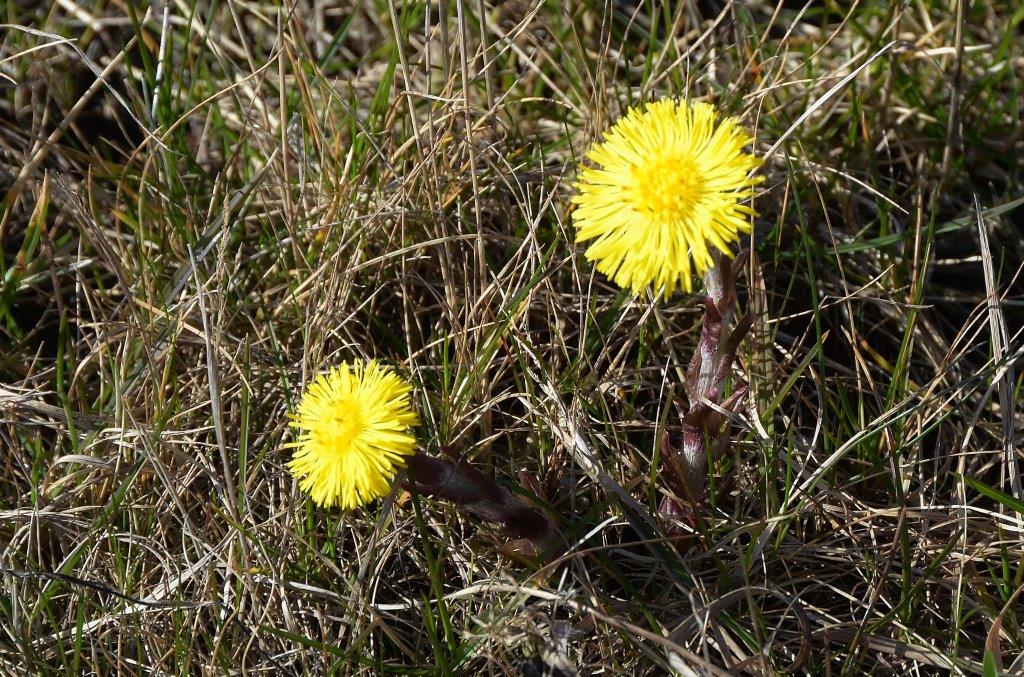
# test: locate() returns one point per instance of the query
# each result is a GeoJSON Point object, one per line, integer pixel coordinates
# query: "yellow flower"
{"type": "Point", "coordinates": [355, 422]}
{"type": "Point", "coordinates": [666, 190]}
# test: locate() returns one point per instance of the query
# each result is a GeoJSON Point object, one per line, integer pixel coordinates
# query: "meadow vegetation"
{"type": "Point", "coordinates": [206, 203]}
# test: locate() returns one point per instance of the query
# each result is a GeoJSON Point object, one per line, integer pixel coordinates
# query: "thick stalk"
{"type": "Point", "coordinates": [528, 529]}
{"type": "Point", "coordinates": [705, 427]}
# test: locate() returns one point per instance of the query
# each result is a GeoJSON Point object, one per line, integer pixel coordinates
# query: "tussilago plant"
{"type": "Point", "coordinates": [664, 201]}
{"type": "Point", "coordinates": [356, 422]}
{"type": "Point", "coordinates": [666, 195]}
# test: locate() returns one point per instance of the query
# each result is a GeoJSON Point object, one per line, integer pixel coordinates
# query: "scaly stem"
{"type": "Point", "coordinates": [704, 425]}
{"type": "Point", "coordinates": [529, 530]}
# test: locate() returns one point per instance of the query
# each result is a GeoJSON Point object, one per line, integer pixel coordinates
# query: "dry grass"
{"type": "Point", "coordinates": [206, 203]}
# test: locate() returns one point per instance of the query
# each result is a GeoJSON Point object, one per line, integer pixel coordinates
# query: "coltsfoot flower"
{"type": "Point", "coordinates": [666, 190]}
{"type": "Point", "coordinates": [355, 423]}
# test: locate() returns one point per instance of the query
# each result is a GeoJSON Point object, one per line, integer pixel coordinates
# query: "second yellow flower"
{"type": "Point", "coordinates": [666, 190]}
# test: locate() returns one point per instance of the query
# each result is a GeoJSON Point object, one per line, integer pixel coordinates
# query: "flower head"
{"type": "Point", "coordinates": [354, 422]}
{"type": "Point", "coordinates": [667, 189]}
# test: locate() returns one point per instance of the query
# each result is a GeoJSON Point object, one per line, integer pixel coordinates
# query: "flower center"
{"type": "Point", "coordinates": [667, 188]}
{"type": "Point", "coordinates": [344, 422]}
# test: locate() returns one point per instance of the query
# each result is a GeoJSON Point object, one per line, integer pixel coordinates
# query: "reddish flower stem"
{"type": "Point", "coordinates": [705, 424]}
{"type": "Point", "coordinates": [529, 530]}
